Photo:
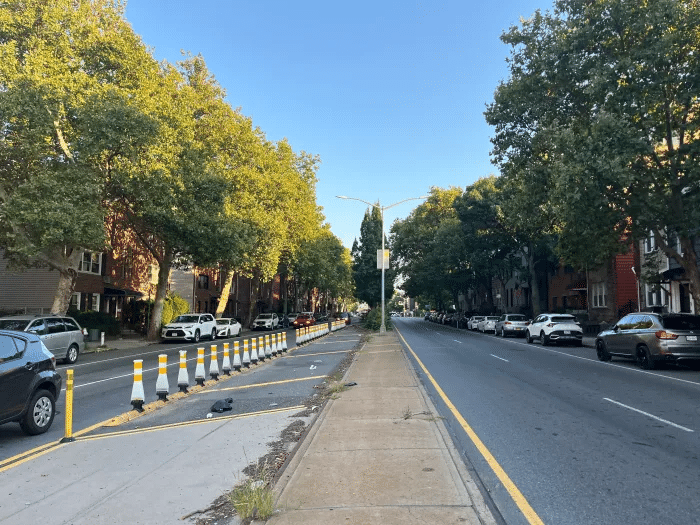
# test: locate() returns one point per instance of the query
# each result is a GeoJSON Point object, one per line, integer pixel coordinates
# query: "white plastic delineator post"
{"type": "Point", "coordinates": [273, 344]}
{"type": "Point", "coordinates": [284, 341]}
{"type": "Point", "coordinates": [246, 354]}
{"type": "Point", "coordinates": [214, 364]}
{"type": "Point", "coordinates": [226, 364]}
{"type": "Point", "coordinates": [268, 348]}
{"type": "Point", "coordinates": [236, 357]}
{"type": "Point", "coordinates": [183, 378]}
{"type": "Point", "coordinates": [199, 376]}
{"type": "Point", "coordinates": [137, 396]}
{"type": "Point", "coordinates": [162, 386]}
{"type": "Point", "coordinates": [278, 347]}
{"type": "Point", "coordinates": [261, 348]}
{"type": "Point", "coordinates": [254, 351]}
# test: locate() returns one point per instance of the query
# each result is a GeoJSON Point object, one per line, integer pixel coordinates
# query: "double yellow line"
{"type": "Point", "coordinates": [512, 489]}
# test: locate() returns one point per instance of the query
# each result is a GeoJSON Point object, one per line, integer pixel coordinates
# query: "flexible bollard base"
{"type": "Point", "coordinates": [137, 404]}
{"type": "Point", "coordinates": [183, 389]}
{"type": "Point", "coordinates": [162, 396]}
{"type": "Point", "coordinates": [200, 381]}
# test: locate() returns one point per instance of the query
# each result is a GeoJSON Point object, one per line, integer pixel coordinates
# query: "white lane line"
{"type": "Point", "coordinates": [500, 358]}
{"type": "Point", "coordinates": [606, 363]}
{"type": "Point", "coordinates": [455, 340]}
{"type": "Point", "coordinates": [649, 415]}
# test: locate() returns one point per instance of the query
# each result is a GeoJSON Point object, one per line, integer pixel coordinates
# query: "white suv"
{"type": "Point", "coordinates": [265, 322]}
{"type": "Point", "coordinates": [555, 328]}
{"type": "Point", "coordinates": [191, 327]}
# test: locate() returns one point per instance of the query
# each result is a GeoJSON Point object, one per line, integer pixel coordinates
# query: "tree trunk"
{"type": "Point", "coordinates": [161, 289]}
{"type": "Point", "coordinates": [689, 261]}
{"type": "Point", "coordinates": [64, 290]}
{"type": "Point", "coordinates": [534, 288]}
{"type": "Point", "coordinates": [225, 293]}
{"type": "Point", "coordinates": [65, 262]}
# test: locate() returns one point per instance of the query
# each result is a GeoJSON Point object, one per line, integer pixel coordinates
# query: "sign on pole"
{"type": "Point", "coordinates": [379, 259]}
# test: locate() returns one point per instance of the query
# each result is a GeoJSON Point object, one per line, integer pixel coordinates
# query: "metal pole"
{"type": "Point", "coordinates": [382, 328]}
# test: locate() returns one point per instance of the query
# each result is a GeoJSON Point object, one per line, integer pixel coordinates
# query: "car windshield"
{"type": "Point", "coordinates": [490, 318]}
{"type": "Point", "coordinates": [563, 319]}
{"type": "Point", "coordinates": [681, 322]}
{"type": "Point", "coordinates": [516, 318]}
{"type": "Point", "coordinates": [12, 324]}
{"type": "Point", "coordinates": [265, 316]}
{"type": "Point", "coordinates": [186, 319]}
{"type": "Point", "coordinates": [223, 321]}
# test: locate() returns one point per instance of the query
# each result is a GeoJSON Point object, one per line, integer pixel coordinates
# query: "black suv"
{"type": "Point", "coordinates": [29, 383]}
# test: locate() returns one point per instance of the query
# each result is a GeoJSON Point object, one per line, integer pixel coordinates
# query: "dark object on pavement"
{"type": "Point", "coordinates": [222, 405]}
{"type": "Point", "coordinates": [352, 383]}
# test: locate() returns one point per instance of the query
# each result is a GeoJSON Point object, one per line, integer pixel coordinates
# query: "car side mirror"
{"type": "Point", "coordinates": [616, 328]}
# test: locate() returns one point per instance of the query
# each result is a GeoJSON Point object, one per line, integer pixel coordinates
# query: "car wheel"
{"type": "Point", "coordinates": [213, 334]}
{"type": "Point", "coordinates": [196, 336]}
{"type": "Point", "coordinates": [528, 339]}
{"type": "Point", "coordinates": [544, 339]}
{"type": "Point", "coordinates": [72, 354]}
{"type": "Point", "coordinates": [644, 358]}
{"type": "Point", "coordinates": [39, 416]}
{"type": "Point", "coordinates": [503, 332]}
{"type": "Point", "coordinates": [602, 352]}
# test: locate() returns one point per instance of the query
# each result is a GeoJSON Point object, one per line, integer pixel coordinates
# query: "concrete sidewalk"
{"type": "Point", "coordinates": [379, 453]}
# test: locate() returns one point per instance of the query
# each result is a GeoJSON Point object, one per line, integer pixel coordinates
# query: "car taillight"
{"type": "Point", "coordinates": [53, 362]}
{"type": "Point", "coordinates": [550, 325]}
{"type": "Point", "coordinates": [507, 322]}
{"type": "Point", "coordinates": [663, 334]}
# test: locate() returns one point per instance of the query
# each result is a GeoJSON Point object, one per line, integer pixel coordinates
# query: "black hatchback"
{"type": "Point", "coordinates": [29, 383]}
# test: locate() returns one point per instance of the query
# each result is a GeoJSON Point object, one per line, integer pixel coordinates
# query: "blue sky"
{"type": "Point", "coordinates": [389, 94]}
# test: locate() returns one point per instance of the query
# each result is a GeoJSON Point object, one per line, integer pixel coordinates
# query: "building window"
{"type": "Point", "coordinates": [649, 243]}
{"type": "Point", "coordinates": [91, 263]}
{"type": "Point", "coordinates": [599, 297]}
{"type": "Point", "coordinates": [656, 297]}
{"type": "Point", "coordinates": [74, 302]}
{"type": "Point", "coordinates": [94, 300]}
{"type": "Point", "coordinates": [203, 282]}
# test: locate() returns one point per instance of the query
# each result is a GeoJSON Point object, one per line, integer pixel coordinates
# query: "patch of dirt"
{"type": "Point", "coordinates": [271, 466]}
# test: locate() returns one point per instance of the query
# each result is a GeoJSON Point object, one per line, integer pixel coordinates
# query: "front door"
{"type": "Point", "coordinates": [14, 377]}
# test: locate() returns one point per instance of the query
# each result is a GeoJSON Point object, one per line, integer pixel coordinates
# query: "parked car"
{"type": "Point", "coordinates": [265, 322]}
{"type": "Point", "coordinates": [512, 324]}
{"type": "Point", "coordinates": [474, 322]}
{"type": "Point", "coordinates": [303, 320]}
{"type": "Point", "coordinates": [30, 383]}
{"type": "Point", "coordinates": [487, 324]}
{"type": "Point", "coordinates": [191, 327]}
{"type": "Point", "coordinates": [345, 316]}
{"type": "Point", "coordinates": [650, 338]}
{"type": "Point", "coordinates": [61, 335]}
{"type": "Point", "coordinates": [227, 327]}
{"type": "Point", "coordinates": [555, 328]}
{"type": "Point", "coordinates": [291, 316]}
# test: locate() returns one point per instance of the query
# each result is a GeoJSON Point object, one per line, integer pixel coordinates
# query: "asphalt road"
{"type": "Point", "coordinates": [103, 383]}
{"type": "Point", "coordinates": [583, 441]}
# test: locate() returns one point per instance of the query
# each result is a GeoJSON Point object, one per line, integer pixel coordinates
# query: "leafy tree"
{"type": "Point", "coordinates": [364, 255]}
{"type": "Point", "coordinates": [427, 249]}
{"type": "Point", "coordinates": [64, 71]}
{"type": "Point", "coordinates": [616, 101]}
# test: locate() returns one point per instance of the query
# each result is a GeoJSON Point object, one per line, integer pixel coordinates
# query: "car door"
{"type": "Point", "coordinates": [55, 338]}
{"type": "Point", "coordinates": [621, 341]}
{"type": "Point", "coordinates": [15, 377]}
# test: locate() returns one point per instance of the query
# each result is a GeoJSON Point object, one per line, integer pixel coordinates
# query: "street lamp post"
{"type": "Point", "coordinates": [382, 327]}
